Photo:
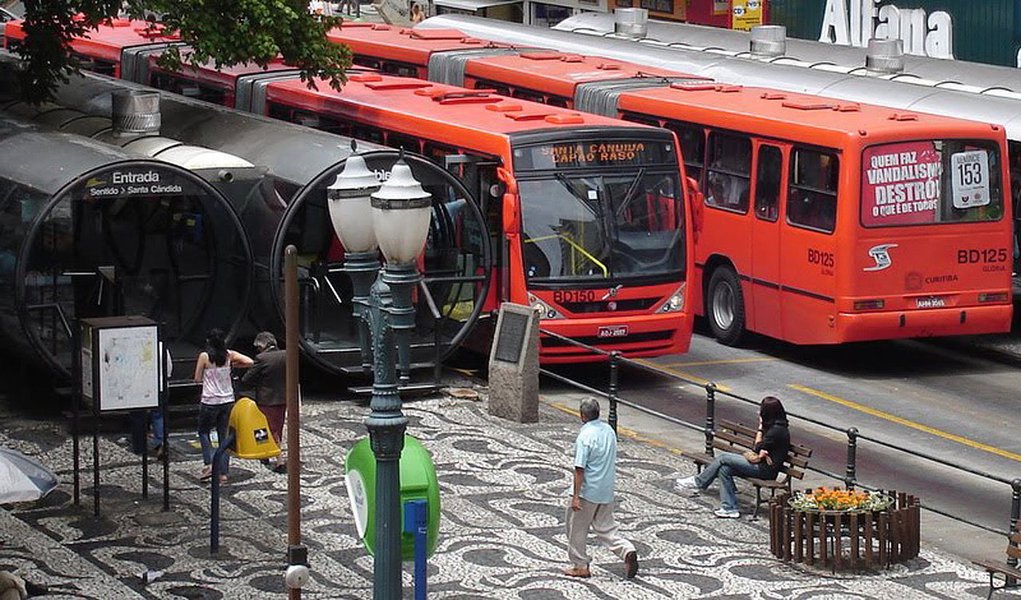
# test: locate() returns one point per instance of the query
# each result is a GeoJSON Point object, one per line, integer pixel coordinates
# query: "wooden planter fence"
{"type": "Point", "coordinates": [845, 540]}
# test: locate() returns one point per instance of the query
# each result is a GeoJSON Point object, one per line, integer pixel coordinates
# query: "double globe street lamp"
{"type": "Point", "coordinates": [392, 218]}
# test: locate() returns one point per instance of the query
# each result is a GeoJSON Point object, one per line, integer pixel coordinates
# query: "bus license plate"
{"type": "Point", "coordinates": [616, 331]}
{"type": "Point", "coordinates": [930, 302]}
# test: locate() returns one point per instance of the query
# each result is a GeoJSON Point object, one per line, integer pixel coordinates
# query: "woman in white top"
{"type": "Point", "coordinates": [212, 370]}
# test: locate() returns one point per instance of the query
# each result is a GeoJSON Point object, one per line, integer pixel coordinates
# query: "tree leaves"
{"type": "Point", "coordinates": [223, 33]}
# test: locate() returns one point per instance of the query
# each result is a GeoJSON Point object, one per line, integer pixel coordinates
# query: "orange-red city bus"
{"type": "Point", "coordinates": [589, 212]}
{"type": "Point", "coordinates": [824, 222]}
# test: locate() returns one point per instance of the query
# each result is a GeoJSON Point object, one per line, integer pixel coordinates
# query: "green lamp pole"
{"type": "Point", "coordinates": [400, 213]}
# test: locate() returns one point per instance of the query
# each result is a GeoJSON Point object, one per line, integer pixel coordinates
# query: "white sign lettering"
{"type": "Point", "coordinates": [856, 23]}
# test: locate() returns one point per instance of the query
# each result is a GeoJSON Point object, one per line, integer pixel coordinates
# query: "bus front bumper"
{"type": "Point", "coordinates": [634, 337]}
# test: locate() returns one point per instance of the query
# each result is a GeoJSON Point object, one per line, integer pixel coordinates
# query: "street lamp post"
{"type": "Point", "coordinates": [400, 214]}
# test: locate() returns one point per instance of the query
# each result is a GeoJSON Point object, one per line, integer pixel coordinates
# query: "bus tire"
{"type": "Point", "coordinates": [725, 306]}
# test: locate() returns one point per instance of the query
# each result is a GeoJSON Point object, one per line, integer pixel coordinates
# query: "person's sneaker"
{"type": "Point", "coordinates": [687, 485]}
{"type": "Point", "coordinates": [631, 564]}
{"type": "Point", "coordinates": [206, 474]}
{"type": "Point", "coordinates": [727, 514]}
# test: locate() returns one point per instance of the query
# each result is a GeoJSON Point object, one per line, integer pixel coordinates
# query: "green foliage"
{"type": "Point", "coordinates": [221, 32]}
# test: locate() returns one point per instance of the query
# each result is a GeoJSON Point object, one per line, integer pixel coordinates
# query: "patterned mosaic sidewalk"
{"type": "Point", "coordinates": [504, 490]}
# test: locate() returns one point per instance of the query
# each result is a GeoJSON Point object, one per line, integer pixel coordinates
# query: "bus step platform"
{"type": "Point", "coordinates": [357, 369]}
{"type": "Point", "coordinates": [413, 389]}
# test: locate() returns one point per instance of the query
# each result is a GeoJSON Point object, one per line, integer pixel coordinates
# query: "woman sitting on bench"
{"type": "Point", "coordinates": [772, 442]}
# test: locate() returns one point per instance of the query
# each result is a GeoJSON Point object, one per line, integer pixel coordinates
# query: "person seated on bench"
{"type": "Point", "coordinates": [772, 443]}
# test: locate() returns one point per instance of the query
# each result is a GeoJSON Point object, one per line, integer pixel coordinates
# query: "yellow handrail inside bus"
{"type": "Point", "coordinates": [575, 246]}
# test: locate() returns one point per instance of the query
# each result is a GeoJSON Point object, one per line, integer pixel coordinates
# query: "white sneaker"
{"type": "Point", "coordinates": [687, 485]}
{"type": "Point", "coordinates": [723, 513]}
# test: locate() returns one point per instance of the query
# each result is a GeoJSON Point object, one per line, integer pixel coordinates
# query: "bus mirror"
{"type": "Point", "coordinates": [508, 180]}
{"type": "Point", "coordinates": [697, 199]}
{"type": "Point", "coordinates": [510, 212]}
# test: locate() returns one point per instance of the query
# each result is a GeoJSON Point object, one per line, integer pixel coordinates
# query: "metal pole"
{"type": "Point", "coordinates": [710, 416]}
{"type": "Point", "coordinates": [614, 368]}
{"type": "Point", "coordinates": [76, 399]}
{"type": "Point", "coordinates": [214, 508]}
{"type": "Point", "coordinates": [386, 424]}
{"type": "Point", "coordinates": [362, 268]}
{"type": "Point", "coordinates": [292, 418]}
{"type": "Point", "coordinates": [1015, 511]}
{"type": "Point", "coordinates": [95, 454]}
{"type": "Point", "coordinates": [852, 451]}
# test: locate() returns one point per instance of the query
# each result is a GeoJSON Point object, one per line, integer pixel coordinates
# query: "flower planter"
{"type": "Point", "coordinates": [845, 540]}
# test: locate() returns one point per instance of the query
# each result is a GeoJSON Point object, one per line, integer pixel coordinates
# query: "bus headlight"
{"type": "Point", "coordinates": [675, 302]}
{"type": "Point", "coordinates": [545, 311]}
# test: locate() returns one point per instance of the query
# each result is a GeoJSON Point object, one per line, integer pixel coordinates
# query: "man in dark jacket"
{"type": "Point", "coordinates": [268, 378]}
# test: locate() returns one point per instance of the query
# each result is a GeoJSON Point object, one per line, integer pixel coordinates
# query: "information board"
{"type": "Point", "coordinates": [128, 370]}
{"type": "Point", "coordinates": [510, 339]}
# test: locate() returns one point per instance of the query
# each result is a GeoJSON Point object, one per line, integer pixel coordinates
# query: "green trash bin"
{"type": "Point", "coordinates": [418, 482]}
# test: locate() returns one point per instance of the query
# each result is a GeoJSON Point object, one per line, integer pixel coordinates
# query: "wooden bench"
{"type": "Point", "coordinates": [730, 436]}
{"type": "Point", "coordinates": [1010, 574]}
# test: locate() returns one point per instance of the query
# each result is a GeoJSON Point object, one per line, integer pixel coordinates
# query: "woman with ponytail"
{"type": "Point", "coordinates": [212, 370]}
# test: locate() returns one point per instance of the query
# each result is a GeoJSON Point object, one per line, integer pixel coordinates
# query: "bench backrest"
{"type": "Point", "coordinates": [731, 436]}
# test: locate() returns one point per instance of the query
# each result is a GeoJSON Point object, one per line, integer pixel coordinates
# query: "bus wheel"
{"type": "Point", "coordinates": [725, 308]}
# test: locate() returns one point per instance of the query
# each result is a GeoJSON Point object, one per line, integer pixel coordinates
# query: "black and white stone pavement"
{"type": "Point", "coordinates": [504, 494]}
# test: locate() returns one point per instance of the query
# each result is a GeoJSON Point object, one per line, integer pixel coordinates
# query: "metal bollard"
{"type": "Point", "coordinates": [1015, 513]}
{"type": "Point", "coordinates": [416, 518]}
{"type": "Point", "coordinates": [852, 451]}
{"type": "Point", "coordinates": [214, 509]}
{"type": "Point", "coordinates": [614, 358]}
{"type": "Point", "coordinates": [710, 416]}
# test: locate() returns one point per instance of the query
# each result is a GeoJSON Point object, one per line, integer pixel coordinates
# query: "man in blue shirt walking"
{"type": "Point", "coordinates": [595, 472]}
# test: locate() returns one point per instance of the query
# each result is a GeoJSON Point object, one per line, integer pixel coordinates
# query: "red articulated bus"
{"type": "Point", "coordinates": [588, 212]}
{"type": "Point", "coordinates": [822, 222]}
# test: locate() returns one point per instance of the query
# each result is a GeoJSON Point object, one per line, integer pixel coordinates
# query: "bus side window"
{"type": "Point", "coordinates": [484, 84]}
{"type": "Point", "coordinates": [728, 172]}
{"type": "Point", "coordinates": [526, 95]}
{"type": "Point", "coordinates": [812, 192]}
{"type": "Point", "coordinates": [335, 126]}
{"type": "Point", "coordinates": [279, 111]}
{"type": "Point", "coordinates": [644, 120]}
{"type": "Point", "coordinates": [692, 140]}
{"type": "Point", "coordinates": [367, 133]}
{"type": "Point", "coordinates": [365, 61]}
{"type": "Point", "coordinates": [406, 142]}
{"type": "Point", "coordinates": [767, 182]}
{"type": "Point", "coordinates": [400, 69]}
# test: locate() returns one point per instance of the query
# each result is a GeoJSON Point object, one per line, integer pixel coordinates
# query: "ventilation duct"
{"type": "Point", "coordinates": [768, 41]}
{"type": "Point", "coordinates": [135, 113]}
{"type": "Point", "coordinates": [885, 57]}
{"type": "Point", "coordinates": [631, 22]}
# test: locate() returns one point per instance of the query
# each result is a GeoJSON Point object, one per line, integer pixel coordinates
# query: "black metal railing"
{"type": "Point", "coordinates": [712, 391]}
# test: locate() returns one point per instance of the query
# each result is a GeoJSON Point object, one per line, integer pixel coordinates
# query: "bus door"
{"type": "Point", "coordinates": [808, 247]}
{"type": "Point", "coordinates": [768, 186]}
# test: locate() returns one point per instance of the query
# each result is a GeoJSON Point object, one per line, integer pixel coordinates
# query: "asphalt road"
{"type": "Point", "coordinates": [928, 398]}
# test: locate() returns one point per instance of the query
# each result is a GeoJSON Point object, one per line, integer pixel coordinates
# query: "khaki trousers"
{"type": "Point", "coordinates": [600, 518]}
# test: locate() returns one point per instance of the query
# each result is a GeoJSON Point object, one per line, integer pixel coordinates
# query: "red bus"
{"type": "Point", "coordinates": [823, 221]}
{"type": "Point", "coordinates": [588, 212]}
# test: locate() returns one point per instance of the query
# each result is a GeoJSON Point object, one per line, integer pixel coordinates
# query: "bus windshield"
{"type": "Point", "coordinates": [931, 181]}
{"type": "Point", "coordinates": [584, 226]}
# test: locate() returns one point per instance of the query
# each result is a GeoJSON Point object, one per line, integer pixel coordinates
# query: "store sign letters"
{"type": "Point", "coordinates": [855, 22]}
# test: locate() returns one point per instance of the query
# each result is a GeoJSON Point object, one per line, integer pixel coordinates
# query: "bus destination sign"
{"type": "Point", "coordinates": [587, 154]}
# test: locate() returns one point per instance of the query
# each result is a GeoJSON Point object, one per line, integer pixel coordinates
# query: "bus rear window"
{"type": "Point", "coordinates": [929, 182]}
